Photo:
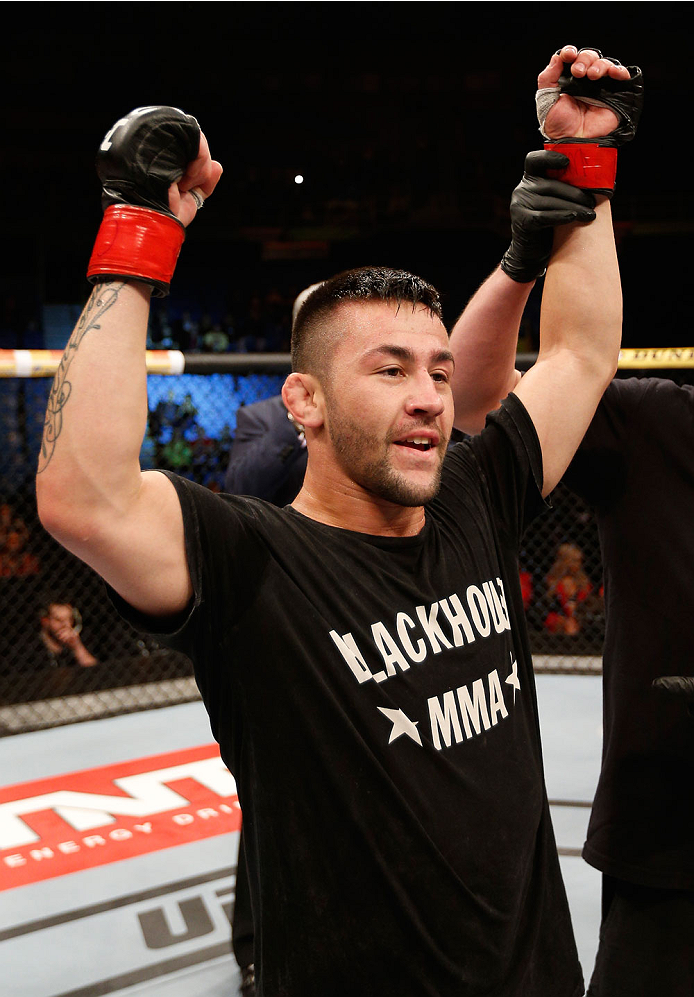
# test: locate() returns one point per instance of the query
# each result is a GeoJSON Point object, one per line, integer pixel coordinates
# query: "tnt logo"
{"type": "Point", "coordinates": [61, 825]}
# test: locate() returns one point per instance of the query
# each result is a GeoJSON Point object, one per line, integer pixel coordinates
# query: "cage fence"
{"type": "Point", "coordinates": [191, 423]}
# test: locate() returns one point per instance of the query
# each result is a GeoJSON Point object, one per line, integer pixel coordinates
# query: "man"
{"type": "Point", "coordinates": [362, 653]}
{"type": "Point", "coordinates": [634, 467]}
{"type": "Point", "coordinates": [60, 636]}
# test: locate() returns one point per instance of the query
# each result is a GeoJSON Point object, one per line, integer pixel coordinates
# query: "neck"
{"type": "Point", "coordinates": [348, 506]}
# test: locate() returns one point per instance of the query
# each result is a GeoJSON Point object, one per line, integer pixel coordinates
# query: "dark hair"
{"type": "Point", "coordinates": [310, 350]}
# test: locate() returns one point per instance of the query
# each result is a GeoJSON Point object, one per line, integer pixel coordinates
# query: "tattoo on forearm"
{"type": "Point", "coordinates": [103, 297]}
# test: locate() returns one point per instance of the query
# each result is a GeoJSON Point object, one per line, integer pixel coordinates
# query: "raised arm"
{"type": "Point", "coordinates": [485, 336]}
{"type": "Point", "coordinates": [92, 496]}
{"type": "Point", "coordinates": [483, 341]}
{"type": "Point", "coordinates": [581, 317]}
{"type": "Point", "coordinates": [580, 334]}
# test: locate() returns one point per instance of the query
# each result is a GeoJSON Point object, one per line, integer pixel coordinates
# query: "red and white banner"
{"type": "Point", "coordinates": [66, 823]}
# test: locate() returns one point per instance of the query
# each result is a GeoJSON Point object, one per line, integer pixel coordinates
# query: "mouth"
{"type": "Point", "coordinates": [418, 442]}
{"type": "Point", "coordinates": [420, 445]}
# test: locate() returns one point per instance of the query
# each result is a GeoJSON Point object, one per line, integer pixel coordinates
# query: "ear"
{"type": "Point", "coordinates": [303, 398]}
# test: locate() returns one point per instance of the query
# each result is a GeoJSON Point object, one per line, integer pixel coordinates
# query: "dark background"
{"type": "Point", "coordinates": [410, 123]}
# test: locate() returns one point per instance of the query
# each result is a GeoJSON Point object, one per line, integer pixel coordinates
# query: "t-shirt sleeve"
{"type": "Point", "coordinates": [224, 551]}
{"type": "Point", "coordinates": [629, 407]}
{"type": "Point", "coordinates": [508, 453]}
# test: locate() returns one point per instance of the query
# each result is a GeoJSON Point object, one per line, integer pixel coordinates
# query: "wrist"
{"type": "Point", "coordinates": [138, 244]}
{"type": "Point", "coordinates": [527, 257]}
{"type": "Point", "coordinates": [592, 166]}
{"type": "Point", "coordinates": [518, 271]}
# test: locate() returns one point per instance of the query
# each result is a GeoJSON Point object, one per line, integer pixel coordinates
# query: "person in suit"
{"type": "Point", "coordinates": [268, 455]}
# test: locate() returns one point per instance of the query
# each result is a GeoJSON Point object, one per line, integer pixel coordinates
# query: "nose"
{"type": "Point", "coordinates": [425, 396]}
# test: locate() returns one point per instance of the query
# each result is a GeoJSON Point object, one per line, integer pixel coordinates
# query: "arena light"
{"type": "Point", "coordinates": [298, 178]}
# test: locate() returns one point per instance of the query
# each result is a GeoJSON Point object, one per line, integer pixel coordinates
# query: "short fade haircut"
{"type": "Point", "coordinates": [311, 351]}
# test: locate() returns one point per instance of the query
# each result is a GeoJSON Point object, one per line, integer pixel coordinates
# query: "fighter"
{"type": "Point", "coordinates": [362, 653]}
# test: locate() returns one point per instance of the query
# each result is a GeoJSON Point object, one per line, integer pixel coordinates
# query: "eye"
{"type": "Point", "coordinates": [441, 376]}
{"type": "Point", "coordinates": [391, 371]}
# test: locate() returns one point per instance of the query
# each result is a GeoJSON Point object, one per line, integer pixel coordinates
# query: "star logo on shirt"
{"type": "Point", "coordinates": [401, 725]}
{"type": "Point", "coordinates": [513, 679]}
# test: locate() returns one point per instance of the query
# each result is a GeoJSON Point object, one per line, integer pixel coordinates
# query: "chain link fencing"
{"type": "Point", "coordinates": [113, 669]}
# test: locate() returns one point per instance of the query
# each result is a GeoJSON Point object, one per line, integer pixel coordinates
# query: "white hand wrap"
{"type": "Point", "coordinates": [546, 98]}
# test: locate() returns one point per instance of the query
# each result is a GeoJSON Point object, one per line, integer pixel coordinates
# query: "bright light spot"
{"type": "Point", "coordinates": [298, 178]}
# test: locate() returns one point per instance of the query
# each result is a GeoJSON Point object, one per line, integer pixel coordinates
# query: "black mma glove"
{"type": "Point", "coordinates": [138, 160]}
{"type": "Point", "coordinates": [593, 161]}
{"type": "Point", "coordinates": [538, 204]}
{"type": "Point", "coordinates": [679, 686]}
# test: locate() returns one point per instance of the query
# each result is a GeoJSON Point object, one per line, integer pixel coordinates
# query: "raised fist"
{"type": "Point", "coordinates": [156, 172]}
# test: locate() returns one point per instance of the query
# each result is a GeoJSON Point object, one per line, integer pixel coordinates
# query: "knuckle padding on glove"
{"type": "Point", "coordinates": [146, 154]}
{"type": "Point", "coordinates": [138, 160]}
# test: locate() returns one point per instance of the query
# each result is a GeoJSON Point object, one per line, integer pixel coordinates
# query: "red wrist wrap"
{"type": "Point", "coordinates": [136, 242]}
{"type": "Point", "coordinates": [591, 166]}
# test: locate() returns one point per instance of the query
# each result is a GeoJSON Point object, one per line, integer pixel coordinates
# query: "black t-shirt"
{"type": "Point", "coordinates": [374, 698]}
{"type": "Point", "coordinates": [636, 467]}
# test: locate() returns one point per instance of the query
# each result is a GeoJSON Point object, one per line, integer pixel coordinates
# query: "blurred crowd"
{"type": "Point", "coordinates": [259, 324]}
{"type": "Point", "coordinates": [17, 560]}
{"type": "Point", "coordinates": [256, 322]}
{"type": "Point", "coordinates": [177, 441]}
{"type": "Point", "coordinates": [565, 601]}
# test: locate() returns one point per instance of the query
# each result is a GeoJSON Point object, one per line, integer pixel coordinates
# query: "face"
{"type": "Point", "coordinates": [389, 408]}
{"type": "Point", "coordinates": [59, 616]}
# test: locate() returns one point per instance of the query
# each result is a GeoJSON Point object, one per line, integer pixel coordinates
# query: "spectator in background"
{"type": "Point", "coordinates": [215, 340]}
{"type": "Point", "coordinates": [185, 414]}
{"type": "Point", "coordinates": [177, 454]}
{"type": "Point", "coordinates": [277, 325]}
{"type": "Point", "coordinates": [10, 522]}
{"type": "Point", "coordinates": [15, 560]}
{"type": "Point", "coordinates": [567, 586]}
{"type": "Point", "coordinates": [164, 414]}
{"type": "Point", "coordinates": [189, 332]}
{"type": "Point", "coordinates": [526, 580]}
{"type": "Point", "coordinates": [59, 635]}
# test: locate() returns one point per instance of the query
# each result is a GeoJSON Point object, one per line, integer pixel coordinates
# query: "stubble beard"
{"type": "Point", "coordinates": [377, 475]}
